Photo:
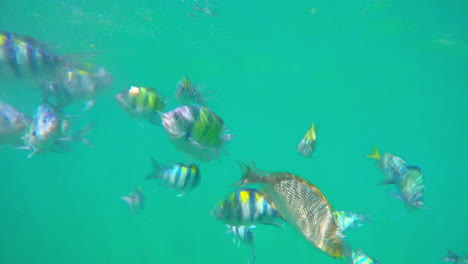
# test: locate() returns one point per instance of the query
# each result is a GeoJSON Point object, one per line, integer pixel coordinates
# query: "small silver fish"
{"type": "Point", "coordinates": [135, 200]}
{"type": "Point", "coordinates": [454, 258]}
{"type": "Point", "coordinates": [245, 235]}
{"type": "Point", "coordinates": [49, 130]}
{"type": "Point", "coordinates": [72, 84]}
{"type": "Point", "coordinates": [359, 257]}
{"type": "Point", "coordinates": [13, 124]}
{"type": "Point", "coordinates": [350, 220]}
{"type": "Point", "coordinates": [177, 176]}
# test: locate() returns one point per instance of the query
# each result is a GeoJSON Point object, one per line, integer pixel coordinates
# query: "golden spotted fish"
{"type": "Point", "coordinates": [303, 206]}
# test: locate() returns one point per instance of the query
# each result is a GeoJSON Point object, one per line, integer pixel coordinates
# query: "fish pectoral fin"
{"type": "Point", "coordinates": [155, 119]}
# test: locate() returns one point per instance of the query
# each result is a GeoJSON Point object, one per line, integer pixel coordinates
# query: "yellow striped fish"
{"type": "Point", "coordinates": [303, 206]}
{"type": "Point", "coordinates": [142, 102]}
{"type": "Point", "coordinates": [177, 176]}
{"type": "Point", "coordinates": [187, 92]}
{"type": "Point", "coordinates": [246, 206]}
{"type": "Point", "coordinates": [196, 130]}
{"type": "Point", "coordinates": [359, 257]}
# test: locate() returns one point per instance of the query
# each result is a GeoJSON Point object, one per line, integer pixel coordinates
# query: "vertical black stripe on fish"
{"type": "Point", "coordinates": [31, 55]}
{"type": "Point", "coordinates": [197, 177]}
{"type": "Point", "coordinates": [10, 53]}
{"type": "Point", "coordinates": [47, 60]}
{"type": "Point", "coordinates": [188, 177]}
{"type": "Point", "coordinates": [238, 207]}
{"type": "Point", "coordinates": [252, 203]}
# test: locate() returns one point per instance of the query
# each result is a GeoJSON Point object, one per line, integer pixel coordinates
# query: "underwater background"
{"type": "Point", "coordinates": [385, 73]}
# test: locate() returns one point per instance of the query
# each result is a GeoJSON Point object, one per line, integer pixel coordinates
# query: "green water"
{"type": "Point", "coordinates": [386, 73]}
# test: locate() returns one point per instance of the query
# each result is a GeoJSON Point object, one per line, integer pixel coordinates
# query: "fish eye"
{"type": "Point", "coordinates": [44, 120]}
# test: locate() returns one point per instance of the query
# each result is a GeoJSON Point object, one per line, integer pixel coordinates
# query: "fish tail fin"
{"type": "Point", "coordinates": [248, 175]}
{"type": "Point", "coordinates": [375, 155]}
{"type": "Point", "coordinates": [451, 257]}
{"type": "Point", "coordinates": [156, 170]}
{"type": "Point", "coordinates": [80, 135]}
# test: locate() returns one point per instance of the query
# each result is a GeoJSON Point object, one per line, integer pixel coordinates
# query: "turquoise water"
{"type": "Point", "coordinates": [385, 73]}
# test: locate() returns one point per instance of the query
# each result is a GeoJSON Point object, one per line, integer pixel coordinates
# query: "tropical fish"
{"type": "Point", "coordinates": [71, 84]}
{"type": "Point", "coordinates": [142, 102]}
{"type": "Point", "coordinates": [391, 165]}
{"type": "Point", "coordinates": [49, 130]}
{"type": "Point", "coordinates": [188, 93]}
{"type": "Point", "coordinates": [303, 206]}
{"type": "Point", "coordinates": [177, 176]}
{"type": "Point", "coordinates": [349, 220]}
{"type": "Point", "coordinates": [22, 55]}
{"type": "Point", "coordinates": [452, 257]}
{"type": "Point", "coordinates": [246, 206]}
{"type": "Point", "coordinates": [243, 234]}
{"type": "Point", "coordinates": [307, 144]}
{"type": "Point", "coordinates": [411, 188]}
{"type": "Point", "coordinates": [135, 200]}
{"type": "Point", "coordinates": [13, 124]}
{"type": "Point", "coordinates": [407, 178]}
{"type": "Point", "coordinates": [359, 257]}
{"type": "Point", "coordinates": [196, 130]}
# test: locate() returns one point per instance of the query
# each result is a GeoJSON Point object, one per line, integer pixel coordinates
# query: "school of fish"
{"type": "Point", "coordinates": [278, 199]}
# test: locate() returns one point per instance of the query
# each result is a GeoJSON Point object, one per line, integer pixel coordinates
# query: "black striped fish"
{"type": "Point", "coordinates": [197, 131]}
{"type": "Point", "coordinates": [72, 84]}
{"type": "Point", "coordinates": [142, 102]}
{"type": "Point", "coordinates": [177, 176]}
{"type": "Point", "coordinates": [13, 124]}
{"type": "Point", "coordinates": [22, 55]}
{"type": "Point", "coordinates": [246, 235]}
{"type": "Point", "coordinates": [246, 206]}
{"type": "Point", "coordinates": [187, 92]}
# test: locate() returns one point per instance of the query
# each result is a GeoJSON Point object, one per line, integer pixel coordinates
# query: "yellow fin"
{"type": "Point", "coordinates": [375, 155]}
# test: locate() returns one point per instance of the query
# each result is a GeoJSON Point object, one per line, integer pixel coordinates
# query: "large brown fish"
{"type": "Point", "coordinates": [303, 206]}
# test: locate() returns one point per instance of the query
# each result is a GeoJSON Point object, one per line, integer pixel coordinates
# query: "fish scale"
{"type": "Point", "coordinates": [302, 205]}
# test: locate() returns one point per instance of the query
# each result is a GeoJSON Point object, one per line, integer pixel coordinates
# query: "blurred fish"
{"type": "Point", "coordinates": [391, 165]}
{"type": "Point", "coordinates": [13, 124]}
{"type": "Point", "coordinates": [246, 235]}
{"type": "Point", "coordinates": [23, 55]}
{"type": "Point", "coordinates": [246, 206]}
{"type": "Point", "coordinates": [142, 102]}
{"type": "Point", "coordinates": [197, 131]}
{"type": "Point", "coordinates": [72, 84]}
{"type": "Point", "coordinates": [135, 200]}
{"type": "Point", "coordinates": [411, 188]}
{"type": "Point", "coordinates": [452, 257]}
{"type": "Point", "coordinates": [349, 220]}
{"type": "Point", "coordinates": [49, 131]}
{"type": "Point", "coordinates": [303, 206]}
{"type": "Point", "coordinates": [177, 176]}
{"type": "Point", "coordinates": [407, 178]}
{"type": "Point", "coordinates": [307, 144]}
{"type": "Point", "coordinates": [359, 257]}
{"type": "Point", "coordinates": [188, 93]}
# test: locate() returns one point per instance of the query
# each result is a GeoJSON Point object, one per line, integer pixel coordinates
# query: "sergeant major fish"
{"type": "Point", "coordinates": [197, 131]}
{"type": "Point", "coordinates": [188, 93]}
{"type": "Point", "coordinates": [48, 131]}
{"type": "Point", "coordinates": [303, 206]}
{"type": "Point", "coordinates": [13, 124]}
{"type": "Point", "coordinates": [142, 102]}
{"type": "Point", "coordinates": [246, 235]}
{"type": "Point", "coordinates": [308, 142]}
{"type": "Point", "coordinates": [407, 178]}
{"type": "Point", "coordinates": [177, 176]}
{"type": "Point", "coordinates": [22, 55]}
{"type": "Point", "coordinates": [246, 206]}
